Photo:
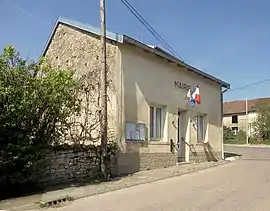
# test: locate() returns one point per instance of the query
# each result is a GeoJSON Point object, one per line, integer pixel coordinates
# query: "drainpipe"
{"type": "Point", "coordinates": [222, 144]}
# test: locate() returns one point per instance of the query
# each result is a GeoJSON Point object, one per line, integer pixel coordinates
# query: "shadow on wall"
{"type": "Point", "coordinates": [134, 161]}
{"type": "Point", "coordinates": [128, 163]}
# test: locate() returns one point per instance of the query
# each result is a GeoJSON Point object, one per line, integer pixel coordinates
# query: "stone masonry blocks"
{"type": "Point", "coordinates": [69, 166]}
{"type": "Point", "coordinates": [157, 160]}
{"type": "Point", "coordinates": [74, 49]}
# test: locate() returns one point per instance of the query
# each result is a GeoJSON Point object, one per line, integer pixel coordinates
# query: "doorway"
{"type": "Point", "coordinates": [182, 128]}
{"type": "Point", "coordinates": [179, 142]}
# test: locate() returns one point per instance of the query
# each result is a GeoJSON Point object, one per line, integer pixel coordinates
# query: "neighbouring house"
{"type": "Point", "coordinates": [148, 109]}
{"type": "Point", "coordinates": [240, 115]}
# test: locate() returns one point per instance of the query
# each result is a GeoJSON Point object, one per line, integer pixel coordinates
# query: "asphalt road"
{"type": "Point", "coordinates": [240, 185]}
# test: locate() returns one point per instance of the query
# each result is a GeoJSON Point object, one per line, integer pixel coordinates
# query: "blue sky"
{"type": "Point", "coordinates": [229, 39]}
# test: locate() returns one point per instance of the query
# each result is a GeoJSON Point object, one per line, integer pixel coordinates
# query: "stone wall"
{"type": "Point", "coordinates": [145, 155]}
{"type": "Point", "coordinates": [67, 166]}
{"type": "Point", "coordinates": [72, 48]}
{"type": "Point", "coordinates": [133, 162]}
{"type": "Point", "coordinates": [157, 160]}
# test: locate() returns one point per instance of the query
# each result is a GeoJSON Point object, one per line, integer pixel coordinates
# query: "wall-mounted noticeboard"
{"type": "Point", "coordinates": [135, 131]}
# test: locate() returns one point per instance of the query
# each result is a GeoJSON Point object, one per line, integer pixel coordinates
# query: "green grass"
{"type": "Point", "coordinates": [243, 141]}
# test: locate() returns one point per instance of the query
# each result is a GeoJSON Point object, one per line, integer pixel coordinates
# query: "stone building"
{"type": "Point", "coordinates": [240, 115]}
{"type": "Point", "coordinates": [148, 109]}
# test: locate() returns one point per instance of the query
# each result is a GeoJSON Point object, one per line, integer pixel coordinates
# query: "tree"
{"type": "Point", "coordinates": [262, 122]}
{"type": "Point", "coordinates": [36, 102]}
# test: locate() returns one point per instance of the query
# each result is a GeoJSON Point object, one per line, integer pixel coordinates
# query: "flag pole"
{"type": "Point", "coordinates": [246, 121]}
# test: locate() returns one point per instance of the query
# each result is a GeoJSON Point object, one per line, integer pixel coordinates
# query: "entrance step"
{"type": "Point", "coordinates": [182, 163]}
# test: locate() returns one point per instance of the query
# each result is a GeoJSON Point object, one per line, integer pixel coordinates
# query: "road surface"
{"type": "Point", "coordinates": [240, 185]}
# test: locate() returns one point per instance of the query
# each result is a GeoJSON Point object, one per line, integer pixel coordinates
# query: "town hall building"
{"type": "Point", "coordinates": [154, 115]}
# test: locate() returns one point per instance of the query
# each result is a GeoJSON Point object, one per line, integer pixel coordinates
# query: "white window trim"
{"type": "Point", "coordinates": [154, 123]}
{"type": "Point", "coordinates": [203, 129]}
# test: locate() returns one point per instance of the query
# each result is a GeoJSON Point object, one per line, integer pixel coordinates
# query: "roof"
{"type": "Point", "coordinates": [120, 38]}
{"type": "Point", "coordinates": [239, 106]}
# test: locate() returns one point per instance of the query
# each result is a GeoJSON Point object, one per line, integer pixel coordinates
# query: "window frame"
{"type": "Point", "coordinates": [154, 137]}
{"type": "Point", "coordinates": [203, 128]}
{"type": "Point", "coordinates": [235, 116]}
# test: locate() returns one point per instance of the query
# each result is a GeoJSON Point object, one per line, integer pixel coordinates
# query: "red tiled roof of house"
{"type": "Point", "coordinates": [239, 106]}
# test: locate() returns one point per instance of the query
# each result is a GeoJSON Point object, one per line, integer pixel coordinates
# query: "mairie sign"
{"type": "Point", "coordinates": [181, 85]}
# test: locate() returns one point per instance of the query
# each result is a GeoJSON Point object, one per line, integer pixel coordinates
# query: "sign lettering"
{"type": "Point", "coordinates": [181, 85]}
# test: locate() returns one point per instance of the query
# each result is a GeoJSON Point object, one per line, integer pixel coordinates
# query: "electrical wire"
{"type": "Point", "coordinates": [168, 47]}
{"type": "Point", "coordinates": [249, 85]}
{"type": "Point", "coordinates": [151, 29]}
{"type": "Point", "coordinates": [154, 33]}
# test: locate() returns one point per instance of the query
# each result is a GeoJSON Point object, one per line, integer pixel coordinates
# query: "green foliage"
{"type": "Point", "coordinates": [230, 138]}
{"type": "Point", "coordinates": [227, 134]}
{"type": "Point", "coordinates": [258, 141]}
{"type": "Point", "coordinates": [35, 104]}
{"type": "Point", "coordinates": [240, 137]}
{"type": "Point", "coordinates": [262, 123]}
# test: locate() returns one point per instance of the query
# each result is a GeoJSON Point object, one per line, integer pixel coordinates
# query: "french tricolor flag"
{"type": "Point", "coordinates": [196, 95]}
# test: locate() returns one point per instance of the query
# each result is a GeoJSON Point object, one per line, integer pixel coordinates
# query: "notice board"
{"type": "Point", "coordinates": [135, 131]}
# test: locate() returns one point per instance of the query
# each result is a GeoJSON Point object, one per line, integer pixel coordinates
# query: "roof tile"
{"type": "Point", "coordinates": [239, 106]}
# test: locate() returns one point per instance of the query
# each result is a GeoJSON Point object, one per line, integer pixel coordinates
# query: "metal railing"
{"type": "Point", "coordinates": [176, 146]}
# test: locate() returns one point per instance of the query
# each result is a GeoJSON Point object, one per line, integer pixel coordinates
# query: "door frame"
{"type": "Point", "coordinates": [179, 133]}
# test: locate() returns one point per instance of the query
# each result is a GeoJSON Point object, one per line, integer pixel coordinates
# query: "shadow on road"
{"type": "Point", "coordinates": [30, 189]}
{"type": "Point", "coordinates": [231, 154]}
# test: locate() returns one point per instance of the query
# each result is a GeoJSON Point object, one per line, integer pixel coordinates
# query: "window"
{"type": "Point", "coordinates": [200, 128]}
{"type": "Point", "coordinates": [234, 119]}
{"type": "Point", "coordinates": [234, 130]}
{"type": "Point", "coordinates": [156, 122]}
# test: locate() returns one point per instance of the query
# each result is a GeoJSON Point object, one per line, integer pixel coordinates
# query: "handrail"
{"type": "Point", "coordinates": [177, 146]}
{"type": "Point", "coordinates": [183, 140]}
{"type": "Point", "coordinates": [173, 145]}
{"type": "Point", "coordinates": [191, 146]}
